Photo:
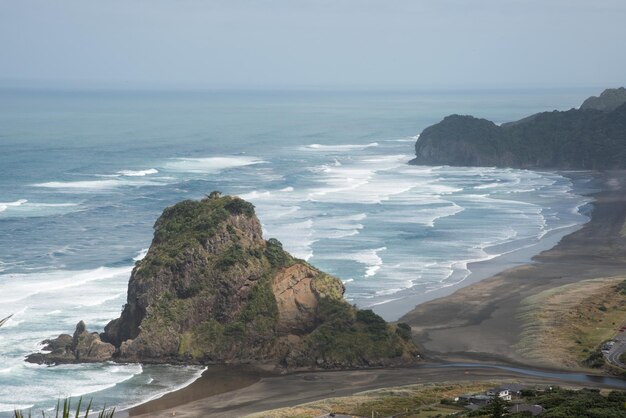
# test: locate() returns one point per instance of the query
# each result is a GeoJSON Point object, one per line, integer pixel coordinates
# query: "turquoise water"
{"type": "Point", "coordinates": [84, 175]}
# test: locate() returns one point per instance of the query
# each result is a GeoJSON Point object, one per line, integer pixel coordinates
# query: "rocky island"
{"type": "Point", "coordinates": [211, 290]}
{"type": "Point", "coordinates": [592, 137]}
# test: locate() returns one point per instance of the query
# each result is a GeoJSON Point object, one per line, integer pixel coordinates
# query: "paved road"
{"type": "Point", "coordinates": [612, 356]}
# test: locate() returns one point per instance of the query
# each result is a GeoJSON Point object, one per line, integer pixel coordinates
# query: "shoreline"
{"type": "Point", "coordinates": [214, 380]}
{"type": "Point", "coordinates": [395, 309]}
{"type": "Point", "coordinates": [480, 272]}
{"type": "Point", "coordinates": [482, 321]}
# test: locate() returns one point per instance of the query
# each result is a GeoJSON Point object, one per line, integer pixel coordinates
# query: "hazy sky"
{"type": "Point", "coordinates": [314, 43]}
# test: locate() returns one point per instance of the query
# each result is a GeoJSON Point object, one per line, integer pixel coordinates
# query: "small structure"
{"type": "Point", "coordinates": [463, 398]}
{"type": "Point", "coordinates": [515, 389]}
{"type": "Point", "coordinates": [501, 393]}
{"type": "Point", "coordinates": [607, 346]}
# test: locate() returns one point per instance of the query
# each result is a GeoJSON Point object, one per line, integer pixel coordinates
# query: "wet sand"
{"type": "Point", "coordinates": [478, 323]}
{"type": "Point", "coordinates": [294, 389]}
{"type": "Point", "coordinates": [214, 381]}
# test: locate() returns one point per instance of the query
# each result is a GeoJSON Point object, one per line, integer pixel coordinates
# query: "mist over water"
{"type": "Point", "coordinates": [84, 176]}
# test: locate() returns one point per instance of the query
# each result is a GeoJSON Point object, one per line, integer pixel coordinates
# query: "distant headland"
{"type": "Point", "coordinates": [592, 137]}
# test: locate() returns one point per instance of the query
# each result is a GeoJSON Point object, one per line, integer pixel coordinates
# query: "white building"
{"type": "Point", "coordinates": [503, 394]}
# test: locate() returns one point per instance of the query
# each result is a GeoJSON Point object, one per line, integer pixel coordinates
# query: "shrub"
{"type": "Point", "coordinates": [375, 324]}
{"type": "Point", "coordinates": [275, 254]}
{"type": "Point", "coordinates": [238, 206]}
{"type": "Point", "coordinates": [595, 359]}
{"type": "Point", "coordinates": [403, 330]}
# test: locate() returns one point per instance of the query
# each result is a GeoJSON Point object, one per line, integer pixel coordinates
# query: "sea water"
{"type": "Point", "coordinates": [84, 176]}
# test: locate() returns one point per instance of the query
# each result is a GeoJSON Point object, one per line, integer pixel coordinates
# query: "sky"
{"type": "Point", "coordinates": [313, 43]}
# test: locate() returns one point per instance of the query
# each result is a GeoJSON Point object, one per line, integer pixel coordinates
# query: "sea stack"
{"type": "Point", "coordinates": [212, 290]}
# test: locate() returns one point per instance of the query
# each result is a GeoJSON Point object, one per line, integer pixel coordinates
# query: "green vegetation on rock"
{"type": "Point", "coordinates": [347, 336]}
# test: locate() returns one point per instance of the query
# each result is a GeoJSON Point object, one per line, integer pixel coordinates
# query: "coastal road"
{"type": "Point", "coordinates": [613, 355]}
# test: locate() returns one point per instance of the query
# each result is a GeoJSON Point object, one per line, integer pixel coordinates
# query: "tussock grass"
{"type": "Point", "coordinates": [564, 325]}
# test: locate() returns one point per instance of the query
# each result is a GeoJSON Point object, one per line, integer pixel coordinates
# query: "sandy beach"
{"type": "Point", "coordinates": [479, 323]}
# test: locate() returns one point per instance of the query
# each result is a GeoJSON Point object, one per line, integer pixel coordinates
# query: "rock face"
{"type": "Point", "coordinates": [212, 290]}
{"type": "Point", "coordinates": [593, 137]}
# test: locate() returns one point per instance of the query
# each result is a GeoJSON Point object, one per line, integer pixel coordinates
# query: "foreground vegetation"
{"type": "Point", "coordinates": [421, 401]}
{"type": "Point", "coordinates": [64, 410]}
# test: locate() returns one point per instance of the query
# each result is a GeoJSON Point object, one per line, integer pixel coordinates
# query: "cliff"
{"type": "Point", "coordinates": [212, 290]}
{"type": "Point", "coordinates": [592, 137]}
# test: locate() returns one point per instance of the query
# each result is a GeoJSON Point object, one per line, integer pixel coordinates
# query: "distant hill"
{"type": "Point", "coordinates": [592, 137]}
{"type": "Point", "coordinates": [609, 100]}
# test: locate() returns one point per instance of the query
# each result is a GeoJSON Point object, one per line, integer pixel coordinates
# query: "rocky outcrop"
{"type": "Point", "coordinates": [593, 137]}
{"type": "Point", "coordinates": [82, 347]}
{"type": "Point", "coordinates": [212, 290]}
{"type": "Point", "coordinates": [609, 100]}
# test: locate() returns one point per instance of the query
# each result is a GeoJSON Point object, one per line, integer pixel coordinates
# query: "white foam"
{"type": "Point", "coordinates": [25, 208]}
{"type": "Point", "coordinates": [5, 206]}
{"type": "Point", "coordinates": [18, 287]}
{"type": "Point", "coordinates": [137, 173]}
{"type": "Point", "coordinates": [296, 237]}
{"type": "Point", "coordinates": [141, 254]}
{"type": "Point", "coordinates": [369, 258]}
{"type": "Point", "coordinates": [196, 376]}
{"type": "Point", "coordinates": [5, 407]}
{"type": "Point", "coordinates": [338, 226]}
{"type": "Point", "coordinates": [210, 165]}
{"type": "Point", "coordinates": [363, 180]}
{"type": "Point", "coordinates": [409, 139]}
{"type": "Point", "coordinates": [96, 185]}
{"type": "Point", "coordinates": [339, 148]}
{"type": "Point", "coordinates": [488, 186]}
{"type": "Point", "coordinates": [256, 195]}
{"type": "Point", "coordinates": [427, 216]}
{"type": "Point", "coordinates": [107, 184]}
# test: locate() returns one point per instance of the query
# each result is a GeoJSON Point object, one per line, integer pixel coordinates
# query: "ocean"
{"type": "Point", "coordinates": [85, 174]}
